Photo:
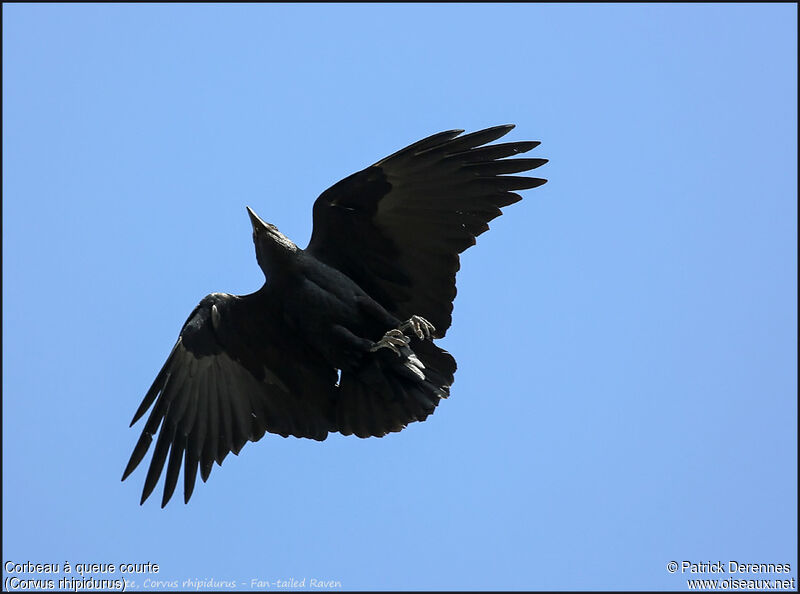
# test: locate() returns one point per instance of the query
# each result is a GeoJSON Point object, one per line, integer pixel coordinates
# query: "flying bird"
{"type": "Point", "coordinates": [340, 336]}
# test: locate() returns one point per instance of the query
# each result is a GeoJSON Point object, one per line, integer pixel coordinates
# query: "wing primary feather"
{"type": "Point", "coordinates": [172, 384]}
{"type": "Point", "coordinates": [157, 463]}
{"type": "Point", "coordinates": [503, 166]}
{"type": "Point", "coordinates": [493, 151]}
{"type": "Point", "coordinates": [179, 401]}
{"type": "Point", "coordinates": [226, 426]}
{"type": "Point", "coordinates": [199, 428]}
{"type": "Point", "coordinates": [473, 139]}
{"type": "Point", "coordinates": [189, 475]}
{"type": "Point", "coordinates": [505, 183]}
{"type": "Point", "coordinates": [155, 418]}
{"type": "Point", "coordinates": [239, 407]}
{"type": "Point", "coordinates": [145, 439]}
{"type": "Point", "coordinates": [212, 435]}
{"type": "Point", "coordinates": [503, 199]}
{"type": "Point", "coordinates": [155, 388]}
{"type": "Point", "coordinates": [173, 467]}
{"type": "Point", "coordinates": [195, 439]}
{"type": "Point", "coordinates": [157, 385]}
{"type": "Point", "coordinates": [424, 144]}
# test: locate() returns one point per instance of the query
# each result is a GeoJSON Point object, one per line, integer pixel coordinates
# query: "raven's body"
{"type": "Point", "coordinates": [339, 338]}
{"type": "Point", "coordinates": [329, 312]}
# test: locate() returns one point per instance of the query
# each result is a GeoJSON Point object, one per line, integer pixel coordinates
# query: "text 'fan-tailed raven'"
{"type": "Point", "coordinates": [340, 337]}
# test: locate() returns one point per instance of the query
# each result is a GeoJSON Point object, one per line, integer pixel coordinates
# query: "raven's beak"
{"type": "Point", "coordinates": [255, 220]}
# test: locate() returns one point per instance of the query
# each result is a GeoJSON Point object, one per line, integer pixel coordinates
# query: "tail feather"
{"type": "Point", "coordinates": [388, 392]}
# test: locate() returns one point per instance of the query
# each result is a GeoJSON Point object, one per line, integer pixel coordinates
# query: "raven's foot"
{"type": "Point", "coordinates": [421, 327]}
{"type": "Point", "coordinates": [396, 337]}
{"type": "Point", "coordinates": [391, 340]}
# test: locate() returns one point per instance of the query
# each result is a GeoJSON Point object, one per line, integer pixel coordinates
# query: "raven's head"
{"type": "Point", "coordinates": [273, 248]}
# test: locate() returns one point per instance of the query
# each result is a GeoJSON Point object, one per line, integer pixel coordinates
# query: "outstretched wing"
{"type": "Point", "coordinates": [232, 376]}
{"type": "Point", "coordinates": [397, 227]}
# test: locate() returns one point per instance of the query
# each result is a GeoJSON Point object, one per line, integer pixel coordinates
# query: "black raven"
{"type": "Point", "coordinates": [340, 337]}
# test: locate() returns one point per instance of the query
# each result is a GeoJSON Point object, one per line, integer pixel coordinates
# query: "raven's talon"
{"type": "Point", "coordinates": [391, 340]}
{"type": "Point", "coordinates": [421, 327]}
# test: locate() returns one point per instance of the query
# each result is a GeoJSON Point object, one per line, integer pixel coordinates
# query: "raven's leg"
{"type": "Point", "coordinates": [421, 327]}
{"type": "Point", "coordinates": [411, 367]}
{"type": "Point", "coordinates": [396, 337]}
{"type": "Point", "coordinates": [393, 339]}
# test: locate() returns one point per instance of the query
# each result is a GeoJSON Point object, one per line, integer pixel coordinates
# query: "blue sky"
{"type": "Point", "coordinates": [626, 335]}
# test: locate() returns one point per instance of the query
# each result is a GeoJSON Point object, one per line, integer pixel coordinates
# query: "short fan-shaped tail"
{"type": "Point", "coordinates": [389, 391]}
